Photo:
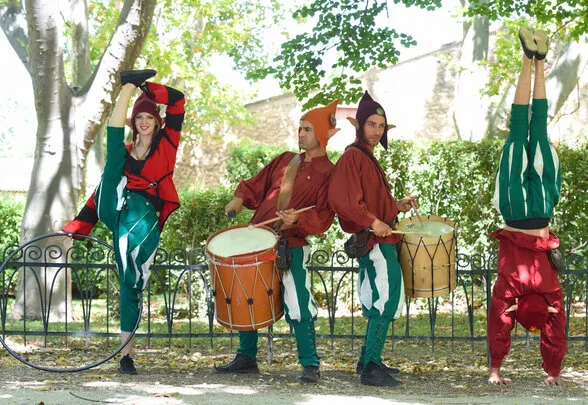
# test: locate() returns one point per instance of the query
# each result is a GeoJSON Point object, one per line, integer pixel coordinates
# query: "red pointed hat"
{"type": "Point", "coordinates": [532, 312]}
{"type": "Point", "coordinates": [366, 108]}
{"type": "Point", "coordinates": [145, 105]}
{"type": "Point", "coordinates": [322, 119]}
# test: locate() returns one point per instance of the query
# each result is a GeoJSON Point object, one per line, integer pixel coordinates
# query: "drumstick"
{"type": "Point", "coordinates": [269, 221]}
{"type": "Point", "coordinates": [417, 232]}
{"type": "Point", "coordinates": [416, 210]}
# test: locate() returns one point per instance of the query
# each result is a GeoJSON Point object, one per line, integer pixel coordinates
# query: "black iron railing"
{"type": "Point", "coordinates": [178, 303]}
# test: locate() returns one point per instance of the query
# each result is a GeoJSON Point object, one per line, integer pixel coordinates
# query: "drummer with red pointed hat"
{"type": "Point", "coordinates": [360, 195]}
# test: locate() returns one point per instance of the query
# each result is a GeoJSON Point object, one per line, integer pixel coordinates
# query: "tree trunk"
{"type": "Point", "coordinates": [472, 109]}
{"type": "Point", "coordinates": [68, 120]}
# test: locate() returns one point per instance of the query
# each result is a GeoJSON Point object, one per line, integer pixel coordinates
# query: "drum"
{"type": "Point", "coordinates": [428, 259]}
{"type": "Point", "coordinates": [246, 284]}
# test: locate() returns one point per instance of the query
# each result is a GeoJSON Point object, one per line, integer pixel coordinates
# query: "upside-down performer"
{"type": "Point", "coordinates": [528, 187]}
{"type": "Point", "coordinates": [136, 194]}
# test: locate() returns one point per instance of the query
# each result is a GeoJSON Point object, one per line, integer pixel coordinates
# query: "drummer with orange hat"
{"type": "Point", "coordinates": [360, 195]}
{"type": "Point", "coordinates": [288, 183]}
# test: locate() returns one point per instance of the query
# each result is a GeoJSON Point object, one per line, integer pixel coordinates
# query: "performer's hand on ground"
{"type": "Point", "coordinates": [551, 380]}
{"type": "Point", "coordinates": [406, 203]}
{"type": "Point", "coordinates": [380, 228]}
{"type": "Point", "coordinates": [495, 377]}
{"type": "Point", "coordinates": [236, 205]}
{"type": "Point", "coordinates": [288, 218]}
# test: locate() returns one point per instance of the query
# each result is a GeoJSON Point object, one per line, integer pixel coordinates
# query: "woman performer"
{"type": "Point", "coordinates": [136, 193]}
{"type": "Point", "coordinates": [528, 187]}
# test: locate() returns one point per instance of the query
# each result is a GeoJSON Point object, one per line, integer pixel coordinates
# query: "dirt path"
{"type": "Point", "coordinates": [187, 377]}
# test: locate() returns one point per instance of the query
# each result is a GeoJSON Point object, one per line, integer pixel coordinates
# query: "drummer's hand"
{"type": "Point", "coordinates": [287, 217]}
{"type": "Point", "coordinates": [236, 205]}
{"type": "Point", "coordinates": [380, 228]}
{"type": "Point", "coordinates": [407, 203]}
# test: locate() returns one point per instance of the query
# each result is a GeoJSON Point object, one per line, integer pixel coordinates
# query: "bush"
{"type": "Point", "coordinates": [11, 213]}
{"type": "Point", "coordinates": [454, 179]}
{"type": "Point", "coordinates": [201, 214]}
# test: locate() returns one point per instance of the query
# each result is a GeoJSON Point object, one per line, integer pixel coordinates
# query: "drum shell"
{"type": "Point", "coordinates": [428, 262]}
{"type": "Point", "coordinates": [252, 283]}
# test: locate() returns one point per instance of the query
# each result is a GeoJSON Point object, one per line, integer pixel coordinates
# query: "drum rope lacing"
{"type": "Point", "coordinates": [234, 266]}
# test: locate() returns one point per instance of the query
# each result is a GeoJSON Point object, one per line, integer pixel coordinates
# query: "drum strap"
{"type": "Point", "coordinates": [373, 159]}
{"type": "Point", "coordinates": [287, 185]}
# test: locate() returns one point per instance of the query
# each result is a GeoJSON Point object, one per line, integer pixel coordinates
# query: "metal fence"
{"type": "Point", "coordinates": [178, 302]}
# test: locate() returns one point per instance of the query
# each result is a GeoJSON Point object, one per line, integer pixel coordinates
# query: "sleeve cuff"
{"type": "Point", "coordinates": [79, 227]}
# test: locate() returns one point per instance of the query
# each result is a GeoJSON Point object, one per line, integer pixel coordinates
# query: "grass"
{"type": "Point", "coordinates": [419, 324]}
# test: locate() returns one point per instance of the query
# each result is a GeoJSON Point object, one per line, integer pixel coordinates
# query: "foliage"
{"type": "Point", "coordinates": [344, 27]}
{"type": "Point", "coordinates": [568, 15]}
{"type": "Point", "coordinates": [504, 68]}
{"type": "Point", "coordinates": [564, 20]}
{"type": "Point", "coordinates": [347, 32]}
{"type": "Point", "coordinates": [453, 179]}
{"type": "Point", "coordinates": [11, 211]}
{"type": "Point", "coordinates": [246, 160]}
{"type": "Point", "coordinates": [571, 219]}
{"type": "Point", "coordinates": [202, 213]}
{"type": "Point", "coordinates": [191, 58]}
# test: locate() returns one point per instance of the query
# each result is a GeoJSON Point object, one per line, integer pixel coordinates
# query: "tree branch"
{"type": "Point", "coordinates": [124, 47]}
{"type": "Point", "coordinates": [14, 25]}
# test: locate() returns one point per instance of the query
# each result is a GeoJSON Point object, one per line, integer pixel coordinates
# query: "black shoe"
{"type": "Point", "coordinates": [136, 77]}
{"type": "Point", "coordinates": [127, 366]}
{"type": "Point", "coordinates": [377, 377]}
{"type": "Point", "coordinates": [309, 374]}
{"type": "Point", "coordinates": [242, 365]}
{"type": "Point", "coordinates": [390, 370]}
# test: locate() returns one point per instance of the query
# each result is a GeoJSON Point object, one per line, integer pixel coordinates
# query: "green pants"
{"type": "Point", "coordinates": [135, 227]}
{"type": "Point", "coordinates": [528, 182]}
{"type": "Point", "coordinates": [381, 294]}
{"type": "Point", "coordinates": [300, 308]}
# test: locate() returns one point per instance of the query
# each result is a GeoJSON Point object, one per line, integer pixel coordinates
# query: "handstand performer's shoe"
{"type": "Point", "coordinates": [390, 370]}
{"type": "Point", "coordinates": [527, 38]}
{"type": "Point", "coordinates": [241, 364]}
{"type": "Point", "coordinates": [542, 41]}
{"type": "Point", "coordinates": [136, 77]}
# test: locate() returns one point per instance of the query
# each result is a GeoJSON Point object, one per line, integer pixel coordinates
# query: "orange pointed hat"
{"type": "Point", "coordinates": [322, 119]}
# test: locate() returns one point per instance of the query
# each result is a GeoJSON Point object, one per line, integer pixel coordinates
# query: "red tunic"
{"type": "Point", "coordinates": [260, 193]}
{"type": "Point", "coordinates": [156, 176]}
{"type": "Point", "coordinates": [359, 195]}
{"type": "Point", "coordinates": [524, 268]}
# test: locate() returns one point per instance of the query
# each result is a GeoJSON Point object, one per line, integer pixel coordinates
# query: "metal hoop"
{"type": "Point", "coordinates": [89, 366]}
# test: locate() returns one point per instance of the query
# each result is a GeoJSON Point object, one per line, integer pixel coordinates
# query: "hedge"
{"type": "Point", "coordinates": [453, 179]}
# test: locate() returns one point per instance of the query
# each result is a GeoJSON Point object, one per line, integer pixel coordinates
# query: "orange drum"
{"type": "Point", "coordinates": [246, 284]}
{"type": "Point", "coordinates": [427, 256]}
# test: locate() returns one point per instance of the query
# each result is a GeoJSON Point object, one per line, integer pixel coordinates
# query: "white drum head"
{"type": "Point", "coordinates": [428, 228]}
{"type": "Point", "coordinates": [240, 241]}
